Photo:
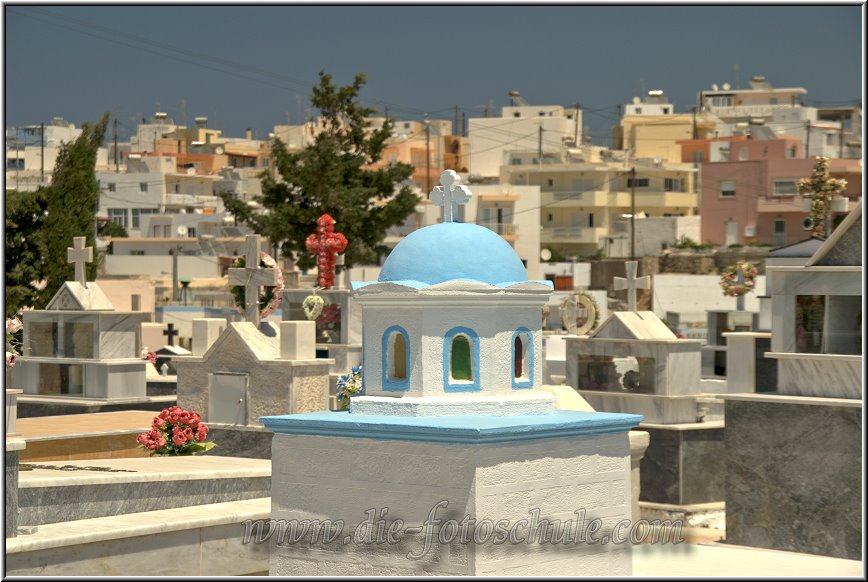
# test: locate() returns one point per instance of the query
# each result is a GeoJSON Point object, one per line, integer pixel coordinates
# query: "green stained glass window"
{"type": "Point", "coordinates": [399, 358]}
{"type": "Point", "coordinates": [462, 367]}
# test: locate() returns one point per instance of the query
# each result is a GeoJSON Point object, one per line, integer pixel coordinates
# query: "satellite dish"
{"type": "Point", "coordinates": [182, 230]}
{"type": "Point", "coordinates": [545, 254]}
{"type": "Point", "coordinates": [636, 101]}
{"type": "Point", "coordinates": [218, 150]}
{"type": "Point", "coordinates": [714, 87]}
{"type": "Point", "coordinates": [808, 223]}
{"type": "Point", "coordinates": [726, 86]}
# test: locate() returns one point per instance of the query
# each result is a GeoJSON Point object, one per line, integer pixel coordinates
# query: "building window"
{"type": "Point", "coordinates": [118, 215]}
{"type": "Point", "coordinates": [143, 186]}
{"type": "Point", "coordinates": [138, 212]}
{"type": "Point", "coordinates": [516, 114]}
{"type": "Point", "coordinates": [672, 184]}
{"type": "Point", "coordinates": [112, 187]}
{"type": "Point", "coordinates": [515, 161]}
{"type": "Point", "coordinates": [550, 183]}
{"type": "Point", "coordinates": [727, 189]}
{"type": "Point", "coordinates": [461, 360]}
{"type": "Point", "coordinates": [137, 253]}
{"type": "Point", "coordinates": [830, 139]}
{"type": "Point", "coordinates": [522, 358]}
{"type": "Point", "coordinates": [665, 110]}
{"type": "Point", "coordinates": [697, 157]}
{"type": "Point", "coordinates": [638, 111]}
{"type": "Point", "coordinates": [591, 220]}
{"type": "Point", "coordinates": [742, 154]}
{"type": "Point", "coordinates": [721, 101]}
{"type": "Point", "coordinates": [639, 182]}
{"type": "Point", "coordinates": [396, 358]}
{"type": "Point", "coordinates": [784, 188]}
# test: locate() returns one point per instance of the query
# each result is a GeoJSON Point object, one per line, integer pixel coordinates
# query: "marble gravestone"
{"type": "Point", "coordinates": [633, 363]}
{"type": "Point", "coordinates": [796, 452]}
{"type": "Point", "coordinates": [251, 371]}
{"type": "Point", "coordinates": [80, 346]}
{"type": "Point", "coordinates": [453, 420]}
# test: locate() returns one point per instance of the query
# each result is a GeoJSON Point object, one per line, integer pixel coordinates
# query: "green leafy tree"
{"type": "Point", "coordinates": [332, 175]}
{"type": "Point", "coordinates": [25, 213]}
{"type": "Point", "coordinates": [71, 204]}
{"type": "Point", "coordinates": [113, 229]}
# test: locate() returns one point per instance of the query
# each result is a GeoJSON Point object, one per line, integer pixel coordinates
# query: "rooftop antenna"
{"type": "Point", "coordinates": [735, 69]}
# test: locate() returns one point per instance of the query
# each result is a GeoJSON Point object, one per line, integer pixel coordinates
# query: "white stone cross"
{"type": "Point", "coordinates": [79, 254]}
{"type": "Point", "coordinates": [450, 193]}
{"type": "Point", "coordinates": [631, 283]}
{"type": "Point", "coordinates": [252, 276]}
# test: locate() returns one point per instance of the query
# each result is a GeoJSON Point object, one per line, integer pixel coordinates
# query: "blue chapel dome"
{"type": "Point", "coordinates": [453, 251]}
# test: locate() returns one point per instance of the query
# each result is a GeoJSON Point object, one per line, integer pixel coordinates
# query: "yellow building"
{"type": "Point", "coordinates": [651, 128]}
{"type": "Point", "coordinates": [585, 197]}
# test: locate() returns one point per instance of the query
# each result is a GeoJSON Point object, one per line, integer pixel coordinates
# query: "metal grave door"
{"type": "Point", "coordinates": [228, 398]}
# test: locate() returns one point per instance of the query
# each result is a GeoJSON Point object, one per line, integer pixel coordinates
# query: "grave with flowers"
{"type": "Point", "coordinates": [735, 281]}
{"type": "Point", "coordinates": [253, 368]}
{"type": "Point", "coordinates": [794, 480]}
{"type": "Point", "coordinates": [330, 304]}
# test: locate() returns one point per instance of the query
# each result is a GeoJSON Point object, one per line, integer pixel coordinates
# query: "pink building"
{"type": "Point", "coordinates": [752, 196]}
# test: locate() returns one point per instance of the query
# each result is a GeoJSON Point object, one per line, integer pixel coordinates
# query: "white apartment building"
{"type": "Point", "coordinates": [151, 186]}
{"type": "Point", "coordinates": [544, 129]}
{"type": "Point", "coordinates": [833, 133]}
{"type": "Point", "coordinates": [31, 153]}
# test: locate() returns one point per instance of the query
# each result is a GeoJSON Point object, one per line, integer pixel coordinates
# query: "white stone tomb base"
{"type": "Point", "coordinates": [334, 478]}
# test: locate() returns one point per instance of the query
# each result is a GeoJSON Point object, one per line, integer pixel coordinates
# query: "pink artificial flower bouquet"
{"type": "Point", "coordinates": [176, 431]}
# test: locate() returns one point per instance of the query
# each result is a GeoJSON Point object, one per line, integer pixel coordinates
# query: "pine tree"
{"type": "Point", "coordinates": [330, 177]}
{"type": "Point", "coordinates": [71, 205]}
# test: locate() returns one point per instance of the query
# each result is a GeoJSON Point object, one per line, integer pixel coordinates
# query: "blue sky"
{"type": "Point", "coordinates": [248, 66]}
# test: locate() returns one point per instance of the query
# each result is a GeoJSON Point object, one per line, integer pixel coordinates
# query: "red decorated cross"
{"type": "Point", "coordinates": [326, 243]}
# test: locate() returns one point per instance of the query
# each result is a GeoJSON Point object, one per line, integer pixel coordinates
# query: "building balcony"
{"type": "Point", "coordinates": [508, 231]}
{"type": "Point", "coordinates": [571, 234]}
{"type": "Point", "coordinates": [498, 197]}
{"type": "Point", "coordinates": [620, 199]}
{"type": "Point", "coordinates": [748, 110]}
{"type": "Point", "coordinates": [797, 203]}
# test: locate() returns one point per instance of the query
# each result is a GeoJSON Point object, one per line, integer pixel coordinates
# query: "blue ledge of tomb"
{"type": "Point", "coordinates": [453, 429]}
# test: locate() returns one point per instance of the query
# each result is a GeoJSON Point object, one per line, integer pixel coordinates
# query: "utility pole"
{"type": "Point", "coordinates": [808, 139]}
{"type": "Point", "coordinates": [841, 138]}
{"type": "Point", "coordinates": [633, 213]}
{"type": "Point", "coordinates": [455, 127]}
{"type": "Point", "coordinates": [41, 152]}
{"type": "Point", "coordinates": [463, 124]}
{"type": "Point", "coordinates": [117, 166]}
{"type": "Point", "coordinates": [539, 155]}
{"type": "Point", "coordinates": [576, 136]}
{"type": "Point", "coordinates": [427, 155]}
{"type": "Point", "coordinates": [695, 133]}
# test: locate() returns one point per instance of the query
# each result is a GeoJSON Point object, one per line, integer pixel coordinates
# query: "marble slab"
{"type": "Point", "coordinates": [794, 474]}
{"type": "Point", "coordinates": [61, 491]}
{"type": "Point", "coordinates": [823, 375]}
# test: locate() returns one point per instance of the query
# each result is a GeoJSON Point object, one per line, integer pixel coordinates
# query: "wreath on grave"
{"type": "Point", "coordinates": [585, 299]}
{"type": "Point", "coordinates": [269, 297]}
{"type": "Point", "coordinates": [729, 279]}
{"type": "Point", "coordinates": [312, 306]}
